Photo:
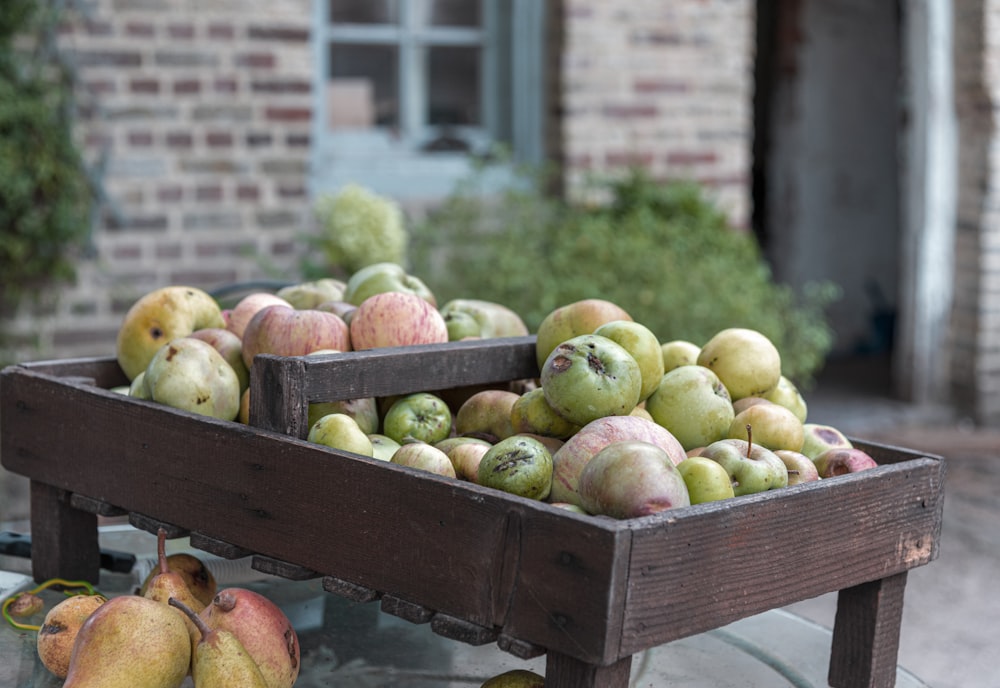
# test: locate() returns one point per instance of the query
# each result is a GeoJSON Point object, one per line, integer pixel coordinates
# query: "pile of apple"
{"type": "Point", "coordinates": [616, 424]}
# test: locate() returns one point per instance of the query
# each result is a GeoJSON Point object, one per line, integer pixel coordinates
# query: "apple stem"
{"type": "Point", "coordinates": [749, 439]}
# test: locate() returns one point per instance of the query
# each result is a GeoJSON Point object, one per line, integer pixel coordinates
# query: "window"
{"type": "Point", "coordinates": [409, 92]}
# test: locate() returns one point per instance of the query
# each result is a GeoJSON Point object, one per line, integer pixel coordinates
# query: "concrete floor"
{"type": "Point", "coordinates": [951, 618]}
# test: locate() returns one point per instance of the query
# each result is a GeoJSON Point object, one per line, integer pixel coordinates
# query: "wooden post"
{"type": "Point", "coordinates": [563, 671]}
{"type": "Point", "coordinates": [64, 540]}
{"type": "Point", "coordinates": [865, 646]}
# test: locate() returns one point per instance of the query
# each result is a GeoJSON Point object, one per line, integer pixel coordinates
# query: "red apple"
{"type": "Point", "coordinates": [248, 306]}
{"type": "Point", "coordinates": [843, 460]}
{"type": "Point", "coordinates": [396, 318]}
{"type": "Point", "coordinates": [284, 331]}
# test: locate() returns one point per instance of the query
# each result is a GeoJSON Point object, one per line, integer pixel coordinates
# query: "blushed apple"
{"type": "Point", "coordinates": [158, 317]}
{"type": "Point", "coordinates": [284, 331]}
{"type": "Point", "coordinates": [465, 453]}
{"type": "Point", "coordinates": [424, 457]}
{"type": "Point", "coordinates": [745, 360]}
{"type": "Point", "coordinates": [579, 449]}
{"type": "Point", "coordinates": [629, 479]}
{"type": "Point", "coordinates": [248, 306]}
{"type": "Point", "coordinates": [419, 416]}
{"type": "Point", "coordinates": [572, 320]}
{"type": "Point", "coordinates": [751, 467]}
{"type": "Point", "coordinates": [396, 319]}
{"type": "Point", "coordinates": [801, 468]}
{"type": "Point", "coordinates": [693, 404]}
{"type": "Point", "coordinates": [706, 480]}
{"type": "Point", "coordinates": [380, 278]}
{"type": "Point", "coordinates": [590, 376]}
{"type": "Point", "coordinates": [487, 414]}
{"type": "Point", "coordinates": [843, 460]}
{"type": "Point", "coordinates": [340, 431]}
{"type": "Point", "coordinates": [679, 352]}
{"type": "Point", "coordinates": [644, 346]}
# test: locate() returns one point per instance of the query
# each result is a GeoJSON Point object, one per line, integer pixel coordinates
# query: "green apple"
{"type": "Point", "coordinates": [679, 352]}
{"type": "Point", "coordinates": [751, 468]}
{"type": "Point", "coordinates": [419, 416]}
{"type": "Point", "coordinates": [693, 404]}
{"type": "Point", "coordinates": [493, 319]}
{"type": "Point", "coordinates": [629, 479]}
{"type": "Point", "coordinates": [161, 316]}
{"type": "Point", "coordinates": [706, 480]}
{"type": "Point", "coordinates": [818, 438]}
{"type": "Point", "coordinates": [639, 341]}
{"type": "Point", "coordinates": [843, 460]}
{"type": "Point", "coordinates": [383, 447]}
{"type": "Point", "coordinates": [801, 468]}
{"type": "Point", "coordinates": [773, 426]}
{"type": "Point", "coordinates": [591, 376]}
{"type": "Point", "coordinates": [190, 374]}
{"type": "Point", "coordinates": [518, 465]}
{"type": "Point", "coordinates": [745, 360]}
{"type": "Point", "coordinates": [424, 457]}
{"type": "Point", "coordinates": [462, 326]}
{"type": "Point", "coordinates": [383, 277]}
{"type": "Point", "coordinates": [341, 431]}
{"type": "Point", "coordinates": [307, 295]}
{"type": "Point", "coordinates": [572, 320]}
{"type": "Point", "coordinates": [786, 394]}
{"type": "Point", "coordinates": [486, 414]}
{"type": "Point", "coordinates": [531, 413]}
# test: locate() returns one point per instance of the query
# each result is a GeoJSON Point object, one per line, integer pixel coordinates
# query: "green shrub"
{"type": "Point", "coordinates": [45, 192]}
{"type": "Point", "coordinates": [663, 252]}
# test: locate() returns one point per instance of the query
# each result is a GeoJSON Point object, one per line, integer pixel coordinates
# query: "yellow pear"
{"type": "Point", "coordinates": [160, 316]}
{"type": "Point", "coordinates": [219, 659]}
{"type": "Point", "coordinates": [59, 629]}
{"type": "Point", "coordinates": [166, 584]}
{"type": "Point", "coordinates": [130, 642]}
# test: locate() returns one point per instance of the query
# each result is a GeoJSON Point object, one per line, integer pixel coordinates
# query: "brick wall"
{"type": "Point", "coordinates": [200, 112]}
{"type": "Point", "coordinates": [975, 371]}
{"type": "Point", "coordinates": [668, 85]}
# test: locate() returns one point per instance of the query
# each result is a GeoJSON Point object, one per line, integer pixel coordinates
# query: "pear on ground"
{"type": "Point", "coordinates": [218, 658]}
{"type": "Point", "coordinates": [59, 629]}
{"type": "Point", "coordinates": [131, 641]}
{"type": "Point", "coordinates": [166, 584]}
{"type": "Point", "coordinates": [262, 628]}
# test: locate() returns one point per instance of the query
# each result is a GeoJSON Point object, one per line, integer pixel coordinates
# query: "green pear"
{"type": "Point", "coordinates": [340, 431]}
{"type": "Point", "coordinates": [219, 659]}
{"type": "Point", "coordinates": [745, 360]}
{"type": "Point", "coordinates": [130, 642]}
{"type": "Point", "coordinates": [190, 374]}
{"type": "Point", "coordinates": [383, 446]}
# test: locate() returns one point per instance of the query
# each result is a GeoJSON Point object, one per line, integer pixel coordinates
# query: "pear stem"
{"type": "Point", "coordinates": [161, 550]}
{"type": "Point", "coordinates": [195, 619]}
{"type": "Point", "coordinates": [749, 440]}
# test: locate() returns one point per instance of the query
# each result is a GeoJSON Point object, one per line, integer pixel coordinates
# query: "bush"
{"type": "Point", "coordinates": [663, 252]}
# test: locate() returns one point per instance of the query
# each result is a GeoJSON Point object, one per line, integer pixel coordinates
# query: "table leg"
{"type": "Point", "coordinates": [865, 650]}
{"type": "Point", "coordinates": [562, 671]}
{"type": "Point", "coordinates": [64, 540]}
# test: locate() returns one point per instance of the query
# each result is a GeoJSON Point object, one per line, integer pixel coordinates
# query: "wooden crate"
{"type": "Point", "coordinates": [479, 565]}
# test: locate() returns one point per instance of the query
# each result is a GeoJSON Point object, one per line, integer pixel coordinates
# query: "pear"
{"type": "Point", "coordinates": [196, 575]}
{"type": "Point", "coordinates": [218, 658]}
{"type": "Point", "coordinates": [516, 678]}
{"type": "Point", "coordinates": [262, 628]}
{"type": "Point", "coordinates": [166, 584]}
{"type": "Point", "coordinates": [130, 642]}
{"type": "Point", "coordinates": [59, 630]}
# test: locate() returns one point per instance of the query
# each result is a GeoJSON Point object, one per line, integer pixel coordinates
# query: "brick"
{"type": "Point", "coordinates": [691, 157]}
{"type": "Point", "coordinates": [222, 249]}
{"type": "Point", "coordinates": [167, 251]}
{"type": "Point", "coordinates": [144, 86]}
{"type": "Point", "coordinates": [661, 86]}
{"type": "Point", "coordinates": [189, 59]}
{"type": "Point", "coordinates": [291, 191]}
{"type": "Point", "coordinates": [217, 31]}
{"type": "Point", "coordinates": [295, 86]}
{"type": "Point", "coordinates": [298, 140]}
{"type": "Point", "coordinates": [283, 248]}
{"type": "Point", "coordinates": [274, 219]}
{"type": "Point", "coordinates": [213, 166]}
{"type": "Point", "coordinates": [126, 252]}
{"type": "Point", "coordinates": [139, 29]}
{"type": "Point", "coordinates": [105, 58]}
{"type": "Point", "coordinates": [277, 33]}
{"type": "Point", "coordinates": [179, 139]}
{"type": "Point", "coordinates": [284, 166]}
{"type": "Point", "coordinates": [140, 139]}
{"type": "Point", "coordinates": [170, 194]}
{"type": "Point", "coordinates": [257, 140]}
{"type": "Point", "coordinates": [219, 139]}
{"type": "Point", "coordinates": [630, 111]}
{"type": "Point", "coordinates": [181, 31]}
{"type": "Point", "coordinates": [206, 278]}
{"type": "Point", "coordinates": [187, 87]}
{"type": "Point", "coordinates": [225, 85]}
{"type": "Point", "coordinates": [230, 113]}
{"type": "Point", "coordinates": [214, 220]}
{"type": "Point", "coordinates": [247, 192]}
{"type": "Point", "coordinates": [137, 221]}
{"type": "Point", "coordinates": [255, 60]}
{"type": "Point", "coordinates": [288, 114]}
{"type": "Point", "coordinates": [628, 159]}
{"type": "Point", "coordinates": [100, 86]}
{"type": "Point", "coordinates": [208, 193]}
{"type": "Point", "coordinates": [98, 28]}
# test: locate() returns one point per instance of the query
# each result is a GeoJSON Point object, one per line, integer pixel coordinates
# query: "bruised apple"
{"type": "Point", "coordinates": [843, 460]}
{"type": "Point", "coordinates": [630, 479]}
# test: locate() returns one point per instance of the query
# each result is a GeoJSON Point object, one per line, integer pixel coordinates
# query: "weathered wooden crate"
{"type": "Point", "coordinates": [479, 565]}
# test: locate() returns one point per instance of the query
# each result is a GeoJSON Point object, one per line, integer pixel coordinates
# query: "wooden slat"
{"type": "Point", "coordinates": [276, 567]}
{"type": "Point", "coordinates": [219, 548]}
{"type": "Point", "coordinates": [720, 562]}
